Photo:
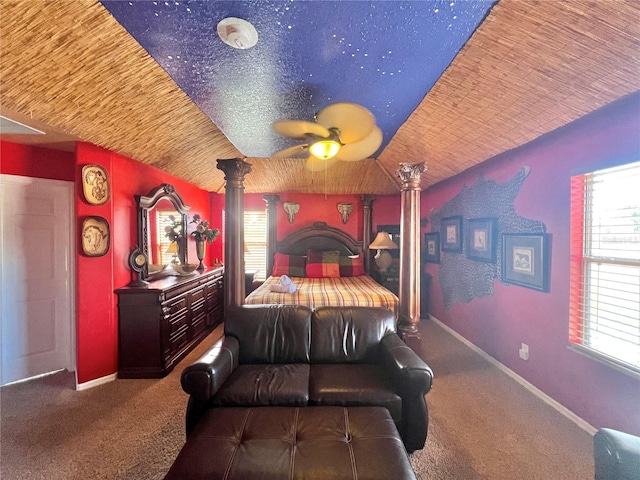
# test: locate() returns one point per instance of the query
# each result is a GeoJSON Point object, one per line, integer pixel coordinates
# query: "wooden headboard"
{"type": "Point", "coordinates": [319, 236]}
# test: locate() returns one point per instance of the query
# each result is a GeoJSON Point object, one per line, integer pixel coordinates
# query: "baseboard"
{"type": "Point", "coordinates": [533, 389]}
{"type": "Point", "coordinates": [35, 377]}
{"type": "Point", "coordinates": [96, 382]}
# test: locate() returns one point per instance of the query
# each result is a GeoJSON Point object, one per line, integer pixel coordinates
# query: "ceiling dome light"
{"type": "Point", "coordinates": [324, 149]}
{"type": "Point", "coordinates": [237, 33]}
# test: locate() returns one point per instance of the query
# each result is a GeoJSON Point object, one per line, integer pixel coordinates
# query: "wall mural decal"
{"type": "Point", "coordinates": [463, 279]}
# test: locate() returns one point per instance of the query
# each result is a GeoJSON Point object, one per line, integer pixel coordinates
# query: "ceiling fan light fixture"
{"type": "Point", "coordinates": [324, 149]}
{"type": "Point", "coordinates": [237, 33]}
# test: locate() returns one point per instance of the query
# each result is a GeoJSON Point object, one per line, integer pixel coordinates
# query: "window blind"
{"type": "Point", "coordinates": [605, 264]}
{"type": "Point", "coordinates": [255, 240]}
{"type": "Point", "coordinates": [164, 219]}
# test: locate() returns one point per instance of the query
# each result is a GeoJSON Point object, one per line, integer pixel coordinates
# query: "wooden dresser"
{"type": "Point", "coordinates": [161, 322]}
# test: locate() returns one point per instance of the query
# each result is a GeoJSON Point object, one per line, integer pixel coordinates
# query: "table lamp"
{"type": "Point", "coordinates": [173, 249]}
{"type": "Point", "coordinates": [382, 243]}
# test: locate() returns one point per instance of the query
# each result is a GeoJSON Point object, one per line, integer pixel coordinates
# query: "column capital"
{"type": "Point", "coordinates": [234, 168]}
{"type": "Point", "coordinates": [367, 200]}
{"type": "Point", "coordinates": [410, 174]}
{"type": "Point", "coordinates": [270, 199]}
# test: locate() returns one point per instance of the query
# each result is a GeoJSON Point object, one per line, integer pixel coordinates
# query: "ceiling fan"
{"type": "Point", "coordinates": [341, 131]}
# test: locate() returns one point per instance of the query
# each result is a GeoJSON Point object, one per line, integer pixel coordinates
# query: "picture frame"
{"type": "Point", "coordinates": [431, 252]}
{"type": "Point", "coordinates": [95, 184]}
{"type": "Point", "coordinates": [95, 236]}
{"type": "Point", "coordinates": [525, 260]}
{"type": "Point", "coordinates": [482, 239]}
{"type": "Point", "coordinates": [451, 234]}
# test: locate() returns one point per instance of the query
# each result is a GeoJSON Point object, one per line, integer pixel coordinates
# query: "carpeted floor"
{"type": "Point", "coordinates": [483, 425]}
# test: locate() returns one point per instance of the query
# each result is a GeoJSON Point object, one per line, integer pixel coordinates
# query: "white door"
{"type": "Point", "coordinates": [36, 251]}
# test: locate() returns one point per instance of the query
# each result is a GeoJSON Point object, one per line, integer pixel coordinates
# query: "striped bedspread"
{"type": "Point", "coordinates": [319, 292]}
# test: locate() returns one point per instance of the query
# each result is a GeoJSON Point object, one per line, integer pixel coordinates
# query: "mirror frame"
{"type": "Point", "coordinates": [148, 202]}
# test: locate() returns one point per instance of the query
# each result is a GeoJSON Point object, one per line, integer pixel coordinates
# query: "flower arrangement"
{"type": "Point", "coordinates": [173, 231]}
{"type": "Point", "coordinates": [202, 231]}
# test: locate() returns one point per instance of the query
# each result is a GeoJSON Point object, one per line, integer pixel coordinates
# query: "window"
{"type": "Point", "coordinates": [167, 250]}
{"type": "Point", "coordinates": [255, 240]}
{"type": "Point", "coordinates": [605, 266]}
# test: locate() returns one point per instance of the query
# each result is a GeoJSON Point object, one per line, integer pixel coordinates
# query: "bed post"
{"type": "Point", "coordinates": [272, 230]}
{"type": "Point", "coordinates": [234, 171]}
{"type": "Point", "coordinates": [367, 210]}
{"type": "Point", "coordinates": [410, 251]}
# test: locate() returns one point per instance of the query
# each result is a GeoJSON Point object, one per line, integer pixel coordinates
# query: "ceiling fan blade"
{"type": "Point", "coordinates": [354, 121]}
{"type": "Point", "coordinates": [299, 129]}
{"type": "Point", "coordinates": [292, 152]}
{"type": "Point", "coordinates": [366, 147]}
{"type": "Point", "coordinates": [315, 164]}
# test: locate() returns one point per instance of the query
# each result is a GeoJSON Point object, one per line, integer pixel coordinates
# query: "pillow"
{"type": "Point", "coordinates": [352, 266]}
{"type": "Point", "coordinates": [323, 264]}
{"type": "Point", "coordinates": [290, 265]}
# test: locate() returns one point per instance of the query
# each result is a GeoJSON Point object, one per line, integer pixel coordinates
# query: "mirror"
{"type": "Point", "coordinates": [162, 220]}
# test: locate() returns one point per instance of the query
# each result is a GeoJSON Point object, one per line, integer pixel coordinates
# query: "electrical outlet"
{"type": "Point", "coordinates": [524, 351]}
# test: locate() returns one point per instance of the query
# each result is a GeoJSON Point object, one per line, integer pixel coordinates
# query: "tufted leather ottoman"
{"type": "Point", "coordinates": [337, 443]}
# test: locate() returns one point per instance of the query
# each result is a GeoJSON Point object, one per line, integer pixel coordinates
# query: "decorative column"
{"type": "Point", "coordinates": [367, 211]}
{"type": "Point", "coordinates": [272, 231]}
{"type": "Point", "coordinates": [410, 250]}
{"type": "Point", "coordinates": [234, 171]}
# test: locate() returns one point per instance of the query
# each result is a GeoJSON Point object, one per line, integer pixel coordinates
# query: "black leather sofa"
{"type": "Point", "coordinates": [616, 455]}
{"type": "Point", "coordinates": [287, 355]}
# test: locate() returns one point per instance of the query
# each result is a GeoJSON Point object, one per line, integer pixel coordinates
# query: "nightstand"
{"type": "Point", "coordinates": [390, 278]}
{"type": "Point", "coordinates": [249, 278]}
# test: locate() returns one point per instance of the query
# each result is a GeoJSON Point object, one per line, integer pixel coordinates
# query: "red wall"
{"type": "Point", "coordinates": [317, 208]}
{"type": "Point", "coordinates": [386, 211]}
{"type": "Point", "coordinates": [38, 162]}
{"type": "Point", "coordinates": [97, 277]}
{"type": "Point", "coordinates": [499, 323]}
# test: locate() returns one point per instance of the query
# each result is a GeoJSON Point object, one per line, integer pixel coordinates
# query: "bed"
{"type": "Point", "coordinates": [320, 292]}
{"type": "Point", "coordinates": [308, 258]}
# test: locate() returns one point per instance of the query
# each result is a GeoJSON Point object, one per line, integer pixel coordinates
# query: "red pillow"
{"type": "Point", "coordinates": [352, 266]}
{"type": "Point", "coordinates": [290, 265]}
{"type": "Point", "coordinates": [323, 264]}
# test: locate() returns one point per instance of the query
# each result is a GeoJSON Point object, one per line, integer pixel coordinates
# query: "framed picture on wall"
{"type": "Point", "coordinates": [451, 231]}
{"type": "Point", "coordinates": [525, 260]}
{"type": "Point", "coordinates": [481, 239]}
{"type": "Point", "coordinates": [431, 252]}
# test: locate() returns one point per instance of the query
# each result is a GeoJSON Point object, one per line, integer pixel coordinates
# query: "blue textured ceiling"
{"type": "Point", "coordinates": [384, 55]}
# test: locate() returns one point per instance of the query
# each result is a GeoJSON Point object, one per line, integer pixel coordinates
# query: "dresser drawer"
{"type": "Point", "coordinates": [198, 325]}
{"type": "Point", "coordinates": [197, 295]}
{"type": "Point", "coordinates": [198, 308]}
{"type": "Point", "coordinates": [177, 341]}
{"type": "Point", "coordinates": [175, 306]}
{"type": "Point", "coordinates": [177, 322]}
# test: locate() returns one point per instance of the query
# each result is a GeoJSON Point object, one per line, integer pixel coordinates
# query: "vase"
{"type": "Point", "coordinates": [200, 249]}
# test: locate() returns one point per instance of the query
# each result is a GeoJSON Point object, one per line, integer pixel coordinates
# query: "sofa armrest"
{"type": "Point", "coordinates": [406, 365]}
{"type": "Point", "coordinates": [616, 455]}
{"type": "Point", "coordinates": [413, 379]}
{"type": "Point", "coordinates": [204, 378]}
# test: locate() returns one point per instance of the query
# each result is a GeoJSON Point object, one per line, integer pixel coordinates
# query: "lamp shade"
{"type": "Point", "coordinates": [172, 248]}
{"type": "Point", "coordinates": [382, 242]}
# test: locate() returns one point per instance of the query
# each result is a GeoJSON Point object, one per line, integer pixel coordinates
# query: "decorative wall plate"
{"type": "Point", "coordinates": [95, 184]}
{"type": "Point", "coordinates": [95, 236]}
